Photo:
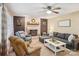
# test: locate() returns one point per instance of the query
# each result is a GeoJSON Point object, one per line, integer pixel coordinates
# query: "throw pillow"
{"type": "Point", "coordinates": [66, 36]}
{"type": "Point", "coordinates": [71, 37]}
{"type": "Point", "coordinates": [22, 33]}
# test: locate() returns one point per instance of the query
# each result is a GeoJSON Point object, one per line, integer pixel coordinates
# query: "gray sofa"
{"type": "Point", "coordinates": [64, 38]}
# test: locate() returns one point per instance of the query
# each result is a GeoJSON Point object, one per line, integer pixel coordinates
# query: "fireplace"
{"type": "Point", "coordinates": [33, 32]}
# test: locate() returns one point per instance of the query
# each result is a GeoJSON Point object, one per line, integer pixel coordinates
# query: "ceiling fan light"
{"type": "Point", "coordinates": [49, 12]}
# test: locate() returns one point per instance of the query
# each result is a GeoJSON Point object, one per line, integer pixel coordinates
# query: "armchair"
{"type": "Point", "coordinates": [43, 37]}
{"type": "Point", "coordinates": [21, 48]}
{"type": "Point", "coordinates": [24, 36]}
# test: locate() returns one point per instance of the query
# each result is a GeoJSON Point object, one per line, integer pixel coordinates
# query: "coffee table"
{"type": "Point", "coordinates": [55, 45]}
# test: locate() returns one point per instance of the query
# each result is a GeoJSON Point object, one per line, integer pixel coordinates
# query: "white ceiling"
{"type": "Point", "coordinates": [35, 9]}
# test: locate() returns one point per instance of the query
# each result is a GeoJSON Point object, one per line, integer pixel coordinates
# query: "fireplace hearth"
{"type": "Point", "coordinates": [33, 32]}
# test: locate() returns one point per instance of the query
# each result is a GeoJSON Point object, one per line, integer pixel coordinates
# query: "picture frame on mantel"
{"type": "Point", "coordinates": [64, 23]}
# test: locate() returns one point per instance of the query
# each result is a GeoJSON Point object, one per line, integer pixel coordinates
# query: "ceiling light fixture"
{"type": "Point", "coordinates": [49, 12]}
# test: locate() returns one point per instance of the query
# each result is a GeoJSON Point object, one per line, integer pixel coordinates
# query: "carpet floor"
{"type": "Point", "coordinates": [46, 51]}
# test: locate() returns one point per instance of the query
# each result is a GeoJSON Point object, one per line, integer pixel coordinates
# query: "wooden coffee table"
{"type": "Point", "coordinates": [55, 45]}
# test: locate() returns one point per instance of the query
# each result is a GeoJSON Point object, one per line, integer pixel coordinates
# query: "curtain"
{"type": "Point", "coordinates": [0, 29]}
{"type": "Point", "coordinates": [4, 30]}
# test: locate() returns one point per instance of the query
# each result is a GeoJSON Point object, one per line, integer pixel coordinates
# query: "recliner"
{"type": "Point", "coordinates": [21, 49]}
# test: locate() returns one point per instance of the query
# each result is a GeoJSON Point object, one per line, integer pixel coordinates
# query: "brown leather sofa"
{"type": "Point", "coordinates": [21, 48]}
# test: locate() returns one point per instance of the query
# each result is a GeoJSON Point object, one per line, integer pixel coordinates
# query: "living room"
{"type": "Point", "coordinates": [41, 23]}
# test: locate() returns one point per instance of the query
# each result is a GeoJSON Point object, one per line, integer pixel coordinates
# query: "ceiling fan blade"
{"type": "Point", "coordinates": [55, 12]}
{"type": "Point", "coordinates": [57, 8]}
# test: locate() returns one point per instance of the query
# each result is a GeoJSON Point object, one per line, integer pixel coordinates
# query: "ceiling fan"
{"type": "Point", "coordinates": [52, 8]}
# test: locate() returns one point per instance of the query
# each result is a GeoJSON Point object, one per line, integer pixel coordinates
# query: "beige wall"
{"type": "Point", "coordinates": [53, 22]}
{"type": "Point", "coordinates": [28, 27]}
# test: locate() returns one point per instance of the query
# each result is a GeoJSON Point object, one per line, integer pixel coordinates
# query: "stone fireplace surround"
{"type": "Point", "coordinates": [32, 27]}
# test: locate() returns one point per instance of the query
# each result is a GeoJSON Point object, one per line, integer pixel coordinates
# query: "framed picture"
{"type": "Point", "coordinates": [18, 22]}
{"type": "Point", "coordinates": [64, 23]}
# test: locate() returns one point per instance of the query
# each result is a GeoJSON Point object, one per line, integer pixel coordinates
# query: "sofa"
{"type": "Point", "coordinates": [64, 38]}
